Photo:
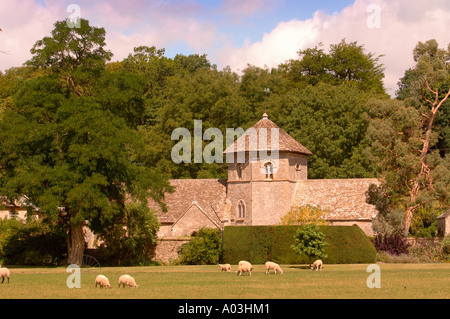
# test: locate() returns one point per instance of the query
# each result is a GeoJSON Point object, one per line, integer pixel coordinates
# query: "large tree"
{"type": "Point", "coordinates": [345, 62]}
{"type": "Point", "coordinates": [403, 135]}
{"type": "Point", "coordinates": [68, 144]}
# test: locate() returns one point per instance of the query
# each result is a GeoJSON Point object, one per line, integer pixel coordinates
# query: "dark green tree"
{"type": "Point", "coordinates": [330, 121]}
{"type": "Point", "coordinates": [69, 145]}
{"type": "Point", "coordinates": [203, 249]}
{"type": "Point", "coordinates": [345, 62]}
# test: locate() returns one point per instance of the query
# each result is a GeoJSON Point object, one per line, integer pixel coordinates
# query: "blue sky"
{"type": "Point", "coordinates": [236, 33]}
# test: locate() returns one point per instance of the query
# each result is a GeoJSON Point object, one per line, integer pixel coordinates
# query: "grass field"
{"type": "Point", "coordinates": [207, 282]}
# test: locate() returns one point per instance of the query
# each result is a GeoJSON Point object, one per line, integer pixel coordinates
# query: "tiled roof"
{"type": "Point", "coordinates": [286, 143]}
{"type": "Point", "coordinates": [208, 194]}
{"type": "Point", "coordinates": [345, 199]}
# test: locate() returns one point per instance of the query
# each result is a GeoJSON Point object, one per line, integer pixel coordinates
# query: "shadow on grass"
{"type": "Point", "coordinates": [300, 267]}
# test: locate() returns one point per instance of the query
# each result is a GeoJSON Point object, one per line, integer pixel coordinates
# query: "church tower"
{"type": "Point", "coordinates": [267, 164]}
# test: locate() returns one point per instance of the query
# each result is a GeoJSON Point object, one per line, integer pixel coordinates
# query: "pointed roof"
{"type": "Point", "coordinates": [266, 127]}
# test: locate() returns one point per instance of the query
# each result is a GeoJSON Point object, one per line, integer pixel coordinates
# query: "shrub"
{"type": "Point", "coordinates": [32, 244]}
{"type": "Point", "coordinates": [424, 222]}
{"type": "Point", "coordinates": [130, 239]}
{"type": "Point", "coordinates": [7, 226]}
{"type": "Point", "coordinates": [258, 244]}
{"type": "Point", "coordinates": [302, 215]}
{"type": "Point", "coordinates": [445, 244]}
{"type": "Point", "coordinates": [394, 244]}
{"type": "Point", "coordinates": [309, 240]}
{"type": "Point", "coordinates": [203, 249]}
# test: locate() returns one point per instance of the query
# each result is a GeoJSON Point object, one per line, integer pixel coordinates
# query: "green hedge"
{"type": "Point", "coordinates": [258, 244]}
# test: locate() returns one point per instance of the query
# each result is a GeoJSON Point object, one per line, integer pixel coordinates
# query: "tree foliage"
{"type": "Point", "coordinates": [403, 135]}
{"type": "Point", "coordinates": [78, 132]}
{"type": "Point", "coordinates": [302, 215]}
{"type": "Point", "coordinates": [309, 240]}
{"type": "Point", "coordinates": [129, 238]}
{"type": "Point", "coordinates": [70, 145]}
{"type": "Point", "coordinates": [202, 249]}
{"type": "Point", "coordinates": [345, 62]}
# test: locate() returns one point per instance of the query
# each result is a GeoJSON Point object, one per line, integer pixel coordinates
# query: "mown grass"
{"type": "Point", "coordinates": [207, 282]}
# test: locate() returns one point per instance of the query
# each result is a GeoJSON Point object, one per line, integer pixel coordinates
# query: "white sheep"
{"type": "Point", "coordinates": [102, 281]}
{"type": "Point", "coordinates": [225, 267]}
{"type": "Point", "coordinates": [4, 272]}
{"type": "Point", "coordinates": [317, 265]}
{"type": "Point", "coordinates": [127, 280]}
{"type": "Point", "coordinates": [244, 266]}
{"type": "Point", "coordinates": [273, 266]}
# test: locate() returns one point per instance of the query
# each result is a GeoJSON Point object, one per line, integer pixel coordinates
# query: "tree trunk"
{"type": "Point", "coordinates": [425, 170]}
{"type": "Point", "coordinates": [75, 244]}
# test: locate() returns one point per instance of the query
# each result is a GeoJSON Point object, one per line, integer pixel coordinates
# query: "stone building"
{"type": "Point", "coordinates": [444, 223]}
{"type": "Point", "coordinates": [267, 177]}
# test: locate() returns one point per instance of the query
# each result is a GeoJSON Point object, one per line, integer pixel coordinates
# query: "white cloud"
{"type": "Point", "coordinates": [402, 26]}
{"type": "Point", "coordinates": [164, 24]}
{"type": "Point", "coordinates": [22, 23]}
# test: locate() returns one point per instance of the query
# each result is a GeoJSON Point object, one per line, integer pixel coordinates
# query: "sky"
{"type": "Point", "coordinates": [236, 33]}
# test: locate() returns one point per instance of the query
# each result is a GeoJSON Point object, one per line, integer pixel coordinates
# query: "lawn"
{"type": "Point", "coordinates": [207, 282]}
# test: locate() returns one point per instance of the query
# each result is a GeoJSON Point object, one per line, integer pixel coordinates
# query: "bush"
{"type": "Point", "coordinates": [393, 244]}
{"type": "Point", "coordinates": [203, 249]}
{"type": "Point", "coordinates": [432, 252]}
{"type": "Point", "coordinates": [129, 239]}
{"type": "Point", "coordinates": [7, 226]}
{"type": "Point", "coordinates": [258, 244]}
{"type": "Point", "coordinates": [33, 244]}
{"type": "Point", "coordinates": [310, 240]}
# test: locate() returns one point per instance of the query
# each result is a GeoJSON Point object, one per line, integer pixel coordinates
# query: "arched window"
{"type": "Point", "coordinates": [239, 171]}
{"type": "Point", "coordinates": [241, 209]}
{"type": "Point", "coordinates": [269, 170]}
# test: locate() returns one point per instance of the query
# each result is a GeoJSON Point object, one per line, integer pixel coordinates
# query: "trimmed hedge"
{"type": "Point", "coordinates": [258, 244]}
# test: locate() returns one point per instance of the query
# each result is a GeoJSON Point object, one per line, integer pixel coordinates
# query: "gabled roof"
{"type": "Point", "coordinates": [213, 219]}
{"type": "Point", "coordinates": [286, 143]}
{"type": "Point", "coordinates": [444, 214]}
{"type": "Point", "coordinates": [209, 194]}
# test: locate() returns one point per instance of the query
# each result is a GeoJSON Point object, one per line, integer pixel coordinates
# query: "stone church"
{"type": "Point", "coordinates": [259, 191]}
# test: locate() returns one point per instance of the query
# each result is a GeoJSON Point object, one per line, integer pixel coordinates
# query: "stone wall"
{"type": "Point", "coordinates": [167, 248]}
{"type": "Point", "coordinates": [271, 201]}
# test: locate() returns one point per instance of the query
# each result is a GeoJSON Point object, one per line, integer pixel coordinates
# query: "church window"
{"type": "Point", "coordinates": [241, 208]}
{"type": "Point", "coordinates": [239, 171]}
{"type": "Point", "coordinates": [269, 170]}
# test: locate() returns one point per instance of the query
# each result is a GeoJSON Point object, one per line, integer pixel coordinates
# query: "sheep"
{"type": "Point", "coordinates": [273, 266]}
{"type": "Point", "coordinates": [102, 281]}
{"type": "Point", "coordinates": [225, 267]}
{"type": "Point", "coordinates": [317, 265]}
{"type": "Point", "coordinates": [4, 272]}
{"type": "Point", "coordinates": [127, 280]}
{"type": "Point", "coordinates": [244, 266]}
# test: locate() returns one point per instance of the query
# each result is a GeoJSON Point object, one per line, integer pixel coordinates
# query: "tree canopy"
{"type": "Point", "coordinates": [89, 140]}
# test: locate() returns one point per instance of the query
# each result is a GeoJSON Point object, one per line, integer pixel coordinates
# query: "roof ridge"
{"type": "Point", "coordinates": [286, 143]}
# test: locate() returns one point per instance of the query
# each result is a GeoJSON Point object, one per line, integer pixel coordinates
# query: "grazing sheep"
{"type": "Point", "coordinates": [273, 266]}
{"type": "Point", "coordinates": [244, 266]}
{"type": "Point", "coordinates": [225, 267]}
{"type": "Point", "coordinates": [127, 280]}
{"type": "Point", "coordinates": [102, 281]}
{"type": "Point", "coordinates": [317, 265]}
{"type": "Point", "coordinates": [4, 272]}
